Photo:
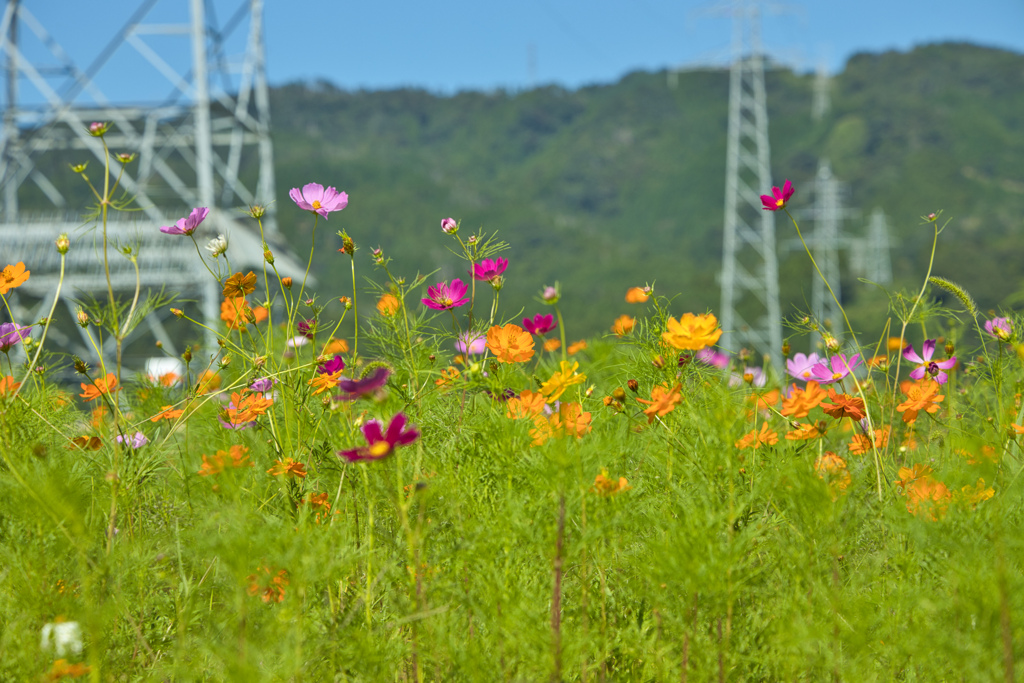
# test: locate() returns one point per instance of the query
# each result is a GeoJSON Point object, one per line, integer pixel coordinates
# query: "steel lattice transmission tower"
{"type": "Point", "coordinates": [204, 141]}
{"type": "Point", "coordinates": [750, 281]}
{"type": "Point", "coordinates": [825, 246]}
{"type": "Point", "coordinates": [878, 264]}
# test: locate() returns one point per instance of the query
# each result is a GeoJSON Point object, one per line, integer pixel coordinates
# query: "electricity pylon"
{"type": "Point", "coordinates": [750, 280]}
{"type": "Point", "coordinates": [207, 143]}
{"type": "Point", "coordinates": [878, 264]}
{"type": "Point", "coordinates": [825, 246]}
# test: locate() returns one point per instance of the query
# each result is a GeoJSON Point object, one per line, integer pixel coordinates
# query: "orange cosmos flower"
{"type": "Point", "coordinates": [167, 413]}
{"type": "Point", "coordinates": [562, 380]}
{"type": "Point", "coordinates": [527, 404]}
{"type": "Point", "coordinates": [92, 443]}
{"type": "Point", "coordinates": [894, 344]}
{"type": "Point", "coordinates": [324, 381]}
{"type": "Point", "coordinates": [861, 443]}
{"type": "Point", "coordinates": [235, 457]}
{"type": "Point", "coordinates": [448, 377]}
{"type": "Point", "coordinates": [623, 325]}
{"type": "Point", "coordinates": [13, 276]}
{"type": "Point", "coordinates": [576, 347]}
{"type": "Point", "coordinates": [921, 395]}
{"type": "Point", "coordinates": [8, 385]}
{"type": "Point", "coordinates": [803, 401]}
{"type": "Point", "coordinates": [603, 486]}
{"type": "Point", "coordinates": [208, 382]}
{"type": "Point", "coordinates": [319, 504]}
{"type": "Point", "coordinates": [239, 285]}
{"type": "Point", "coordinates": [552, 345]}
{"type": "Point", "coordinates": [755, 439]}
{"type": "Point", "coordinates": [972, 495]}
{"type": "Point", "coordinates": [388, 304]}
{"type": "Point", "coordinates": [270, 587]}
{"type": "Point", "coordinates": [843, 405]}
{"type": "Point", "coordinates": [692, 332]}
{"type": "Point", "coordinates": [289, 467]}
{"type": "Point", "coordinates": [99, 387]}
{"type": "Point", "coordinates": [63, 669]}
{"type": "Point", "coordinates": [334, 347]}
{"type": "Point", "coordinates": [236, 313]}
{"type": "Point", "coordinates": [832, 469]}
{"type": "Point", "coordinates": [510, 344]}
{"type": "Point", "coordinates": [637, 295]}
{"type": "Point", "coordinates": [663, 401]}
{"type": "Point", "coordinates": [247, 407]}
{"type": "Point", "coordinates": [802, 432]}
{"type": "Point", "coordinates": [570, 420]}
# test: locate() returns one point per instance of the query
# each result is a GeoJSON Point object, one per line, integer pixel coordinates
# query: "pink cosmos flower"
{"type": "Point", "coordinates": [11, 334]}
{"type": "Point", "coordinates": [381, 444]}
{"type": "Point", "coordinates": [354, 388]}
{"type": "Point", "coordinates": [449, 226]}
{"type": "Point", "coordinates": [444, 296]}
{"type": "Point", "coordinates": [541, 324]}
{"type": "Point", "coordinates": [778, 198]}
{"type": "Point", "coordinates": [715, 359]}
{"type": "Point", "coordinates": [758, 378]}
{"type": "Point", "coordinates": [799, 366]}
{"type": "Point", "coordinates": [136, 441]}
{"type": "Point", "coordinates": [836, 369]}
{"type": "Point", "coordinates": [999, 328]}
{"type": "Point", "coordinates": [262, 384]}
{"type": "Point", "coordinates": [926, 366]}
{"type": "Point", "coordinates": [313, 197]}
{"type": "Point", "coordinates": [307, 328]}
{"type": "Point", "coordinates": [477, 344]}
{"type": "Point", "coordinates": [330, 367]}
{"type": "Point", "coordinates": [187, 225]}
{"type": "Point", "coordinates": [489, 269]}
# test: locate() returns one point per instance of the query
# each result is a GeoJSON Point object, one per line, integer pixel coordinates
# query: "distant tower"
{"type": "Point", "coordinates": [822, 100]}
{"type": "Point", "coordinates": [207, 143]}
{"type": "Point", "coordinates": [877, 263]}
{"type": "Point", "coordinates": [825, 246]}
{"type": "Point", "coordinates": [750, 281]}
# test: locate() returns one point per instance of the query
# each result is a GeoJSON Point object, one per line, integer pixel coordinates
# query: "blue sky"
{"type": "Point", "coordinates": [458, 44]}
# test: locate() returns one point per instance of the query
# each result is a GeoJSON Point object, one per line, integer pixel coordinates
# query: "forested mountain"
{"type": "Point", "coordinates": [615, 185]}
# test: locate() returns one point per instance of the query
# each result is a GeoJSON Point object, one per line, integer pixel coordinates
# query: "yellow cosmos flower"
{"type": "Point", "coordinates": [692, 332]}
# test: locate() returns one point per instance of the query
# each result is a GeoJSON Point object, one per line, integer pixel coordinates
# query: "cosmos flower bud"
{"type": "Point", "coordinates": [187, 356]}
{"type": "Point", "coordinates": [633, 385]}
{"type": "Point", "coordinates": [126, 157]}
{"type": "Point", "coordinates": [268, 256]}
{"type": "Point", "coordinates": [619, 394]}
{"type": "Point", "coordinates": [684, 360]}
{"type": "Point", "coordinates": [449, 226]}
{"type": "Point", "coordinates": [658, 362]}
{"type": "Point", "coordinates": [80, 367]}
{"type": "Point", "coordinates": [159, 344]}
{"type": "Point", "coordinates": [79, 168]}
{"type": "Point", "coordinates": [98, 128]}
{"type": "Point", "coordinates": [550, 295]}
{"type": "Point", "coordinates": [83, 318]}
{"type": "Point", "coordinates": [950, 348]}
{"type": "Point", "coordinates": [286, 282]}
{"type": "Point", "coordinates": [63, 243]}
{"type": "Point", "coordinates": [785, 348]}
{"type": "Point", "coordinates": [178, 313]}
{"type": "Point", "coordinates": [830, 342]}
{"type": "Point", "coordinates": [257, 211]}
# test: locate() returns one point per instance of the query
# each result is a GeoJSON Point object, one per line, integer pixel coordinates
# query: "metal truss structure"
{"type": "Point", "coordinates": [878, 262]}
{"type": "Point", "coordinates": [206, 143]}
{"type": "Point", "coordinates": [750, 282]}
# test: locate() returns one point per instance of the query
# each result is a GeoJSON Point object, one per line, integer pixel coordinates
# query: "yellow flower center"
{"type": "Point", "coordinates": [380, 449]}
{"type": "Point", "coordinates": [316, 205]}
{"type": "Point", "coordinates": [445, 302]}
{"type": "Point", "coordinates": [780, 202]}
{"type": "Point", "coordinates": [837, 375]}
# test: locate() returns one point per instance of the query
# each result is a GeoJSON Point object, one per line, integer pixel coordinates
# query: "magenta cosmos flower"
{"type": "Point", "coordinates": [332, 366]}
{"type": "Point", "coordinates": [926, 366]}
{"type": "Point", "coordinates": [444, 296]}
{"type": "Point", "coordinates": [313, 197]}
{"type": "Point", "coordinates": [778, 198]}
{"type": "Point", "coordinates": [836, 369]}
{"type": "Point", "coordinates": [354, 388]}
{"type": "Point", "coordinates": [489, 269]}
{"type": "Point", "coordinates": [799, 366]}
{"type": "Point", "coordinates": [11, 334]}
{"type": "Point", "coordinates": [541, 324]}
{"type": "Point", "coordinates": [473, 344]}
{"type": "Point", "coordinates": [999, 328]}
{"type": "Point", "coordinates": [380, 443]}
{"type": "Point", "coordinates": [715, 359]}
{"type": "Point", "coordinates": [187, 225]}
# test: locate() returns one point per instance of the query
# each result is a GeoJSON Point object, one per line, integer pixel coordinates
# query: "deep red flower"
{"type": "Point", "coordinates": [541, 324]}
{"type": "Point", "coordinates": [380, 444]}
{"type": "Point", "coordinates": [778, 198]}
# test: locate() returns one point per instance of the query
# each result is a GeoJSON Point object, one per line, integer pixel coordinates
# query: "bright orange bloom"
{"type": "Point", "coordinates": [972, 495]}
{"type": "Point", "coordinates": [562, 380]}
{"type": "Point", "coordinates": [570, 420]}
{"type": "Point", "coordinates": [208, 382]}
{"type": "Point", "coordinates": [235, 457]}
{"type": "Point", "coordinates": [843, 405]}
{"type": "Point", "coordinates": [541, 431]}
{"type": "Point", "coordinates": [755, 439]}
{"type": "Point", "coordinates": [894, 344]}
{"type": "Point", "coordinates": [388, 304]}
{"type": "Point", "coordinates": [623, 325]}
{"type": "Point", "coordinates": [637, 295]}
{"type": "Point", "coordinates": [248, 406]}
{"type": "Point", "coordinates": [764, 401]}
{"type": "Point", "coordinates": [603, 486]}
{"type": "Point", "coordinates": [692, 332]}
{"type": "Point", "coordinates": [924, 494]}
{"type": "Point", "coordinates": [167, 413]}
{"type": "Point", "coordinates": [289, 467]}
{"type": "Point", "coordinates": [921, 395]}
{"type": "Point", "coordinates": [576, 347]}
{"type": "Point", "coordinates": [663, 401]}
{"type": "Point", "coordinates": [802, 432]}
{"type": "Point", "coordinates": [13, 276]}
{"type": "Point", "coordinates": [8, 385]}
{"type": "Point", "coordinates": [510, 344]}
{"type": "Point", "coordinates": [1018, 429]}
{"type": "Point", "coordinates": [527, 404]}
{"type": "Point", "coordinates": [236, 313]}
{"type": "Point", "coordinates": [99, 387]}
{"type": "Point", "coordinates": [168, 379]}
{"type": "Point", "coordinates": [552, 345]}
{"type": "Point", "coordinates": [240, 285]}
{"type": "Point", "coordinates": [62, 669]}
{"type": "Point", "coordinates": [270, 587]}
{"type": "Point", "coordinates": [832, 469]}
{"type": "Point", "coordinates": [334, 347]}
{"type": "Point", "coordinates": [803, 401]}
{"type": "Point", "coordinates": [92, 443]}
{"type": "Point", "coordinates": [319, 504]}
{"type": "Point", "coordinates": [448, 377]}
{"type": "Point", "coordinates": [324, 381]}
{"type": "Point", "coordinates": [861, 443]}
{"type": "Point", "coordinates": [877, 361]}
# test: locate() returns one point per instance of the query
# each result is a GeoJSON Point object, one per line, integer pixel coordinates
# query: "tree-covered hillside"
{"type": "Point", "coordinates": [615, 185]}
